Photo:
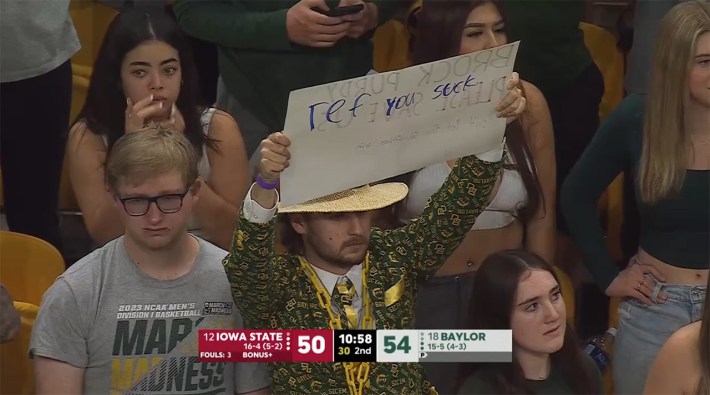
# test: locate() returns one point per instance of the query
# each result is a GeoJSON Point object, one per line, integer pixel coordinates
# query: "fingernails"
{"type": "Point", "coordinates": [151, 96]}
{"type": "Point", "coordinates": [160, 104]}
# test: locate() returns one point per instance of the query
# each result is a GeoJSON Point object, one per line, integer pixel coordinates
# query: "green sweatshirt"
{"type": "Point", "coordinates": [259, 65]}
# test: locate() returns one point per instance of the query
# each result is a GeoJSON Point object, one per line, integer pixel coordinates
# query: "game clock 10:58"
{"type": "Point", "coordinates": [357, 338]}
{"type": "Point", "coordinates": [355, 345]}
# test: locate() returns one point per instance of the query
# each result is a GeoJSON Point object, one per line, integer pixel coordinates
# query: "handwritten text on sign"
{"type": "Point", "coordinates": [349, 133]}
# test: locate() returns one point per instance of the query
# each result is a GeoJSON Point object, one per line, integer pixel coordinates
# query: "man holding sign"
{"type": "Point", "coordinates": [341, 274]}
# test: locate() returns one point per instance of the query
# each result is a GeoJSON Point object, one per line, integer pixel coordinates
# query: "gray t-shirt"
{"type": "Point", "coordinates": [134, 334]}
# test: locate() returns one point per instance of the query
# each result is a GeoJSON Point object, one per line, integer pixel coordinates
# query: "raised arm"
{"type": "Point", "coordinates": [256, 276]}
{"type": "Point", "coordinates": [605, 157]}
{"type": "Point", "coordinates": [428, 240]}
{"type": "Point", "coordinates": [250, 266]}
{"type": "Point", "coordinates": [537, 126]}
{"type": "Point", "coordinates": [86, 154]}
{"type": "Point", "coordinates": [220, 197]}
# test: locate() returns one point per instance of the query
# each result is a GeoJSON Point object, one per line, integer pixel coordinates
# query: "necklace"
{"type": "Point", "coordinates": [355, 372]}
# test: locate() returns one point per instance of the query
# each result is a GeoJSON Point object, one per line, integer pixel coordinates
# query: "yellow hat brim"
{"type": "Point", "coordinates": [364, 198]}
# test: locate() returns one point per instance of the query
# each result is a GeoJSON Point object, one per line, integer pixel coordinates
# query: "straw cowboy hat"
{"type": "Point", "coordinates": [364, 198]}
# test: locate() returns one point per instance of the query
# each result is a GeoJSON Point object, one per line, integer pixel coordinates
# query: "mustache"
{"type": "Point", "coordinates": [355, 241]}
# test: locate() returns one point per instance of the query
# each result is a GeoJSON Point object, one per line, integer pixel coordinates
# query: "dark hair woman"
{"type": "Point", "coordinates": [518, 290]}
{"type": "Point", "coordinates": [144, 73]}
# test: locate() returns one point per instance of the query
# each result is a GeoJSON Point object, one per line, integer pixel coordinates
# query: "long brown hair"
{"type": "Point", "coordinates": [665, 140]}
{"type": "Point", "coordinates": [439, 25]}
{"type": "Point", "coordinates": [492, 302]}
{"type": "Point", "coordinates": [704, 345]}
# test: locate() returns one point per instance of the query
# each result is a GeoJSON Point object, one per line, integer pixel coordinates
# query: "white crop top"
{"type": "Point", "coordinates": [501, 212]}
{"type": "Point", "coordinates": [203, 166]}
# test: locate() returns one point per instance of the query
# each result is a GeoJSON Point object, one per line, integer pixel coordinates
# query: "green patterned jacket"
{"type": "Point", "coordinates": [273, 291]}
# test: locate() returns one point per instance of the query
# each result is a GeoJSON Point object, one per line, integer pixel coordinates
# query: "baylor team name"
{"type": "Point", "coordinates": [463, 336]}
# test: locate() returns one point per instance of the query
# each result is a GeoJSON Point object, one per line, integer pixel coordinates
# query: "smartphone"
{"type": "Point", "coordinates": [341, 11]}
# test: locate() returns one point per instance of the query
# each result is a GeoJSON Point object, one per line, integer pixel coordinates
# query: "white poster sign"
{"type": "Point", "coordinates": [349, 133]}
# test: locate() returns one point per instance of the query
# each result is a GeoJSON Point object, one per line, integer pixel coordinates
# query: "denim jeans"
{"type": "Point", "coordinates": [644, 329]}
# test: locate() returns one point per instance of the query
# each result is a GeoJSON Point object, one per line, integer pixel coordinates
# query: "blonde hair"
{"type": "Point", "coordinates": [664, 154]}
{"type": "Point", "coordinates": [150, 152]}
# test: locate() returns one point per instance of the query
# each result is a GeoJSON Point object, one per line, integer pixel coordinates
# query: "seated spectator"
{"type": "Point", "coordinates": [517, 290]}
{"type": "Point", "coordinates": [126, 317]}
{"type": "Point", "coordinates": [9, 317]}
{"type": "Point", "coordinates": [683, 364]}
{"type": "Point", "coordinates": [664, 137]}
{"type": "Point", "coordinates": [522, 212]}
{"type": "Point", "coordinates": [144, 74]}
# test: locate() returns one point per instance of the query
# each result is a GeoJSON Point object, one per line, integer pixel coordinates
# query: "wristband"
{"type": "Point", "coordinates": [266, 184]}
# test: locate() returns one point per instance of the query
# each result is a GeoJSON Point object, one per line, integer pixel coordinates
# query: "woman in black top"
{"type": "Point", "coordinates": [517, 290]}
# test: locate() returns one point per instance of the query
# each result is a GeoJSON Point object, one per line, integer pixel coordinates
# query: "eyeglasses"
{"type": "Point", "coordinates": [168, 204]}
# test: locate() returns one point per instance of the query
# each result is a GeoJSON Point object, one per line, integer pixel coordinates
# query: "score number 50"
{"type": "Point", "coordinates": [311, 344]}
{"type": "Point", "coordinates": [316, 346]}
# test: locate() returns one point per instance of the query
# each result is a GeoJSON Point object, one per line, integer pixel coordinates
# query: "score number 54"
{"type": "Point", "coordinates": [392, 345]}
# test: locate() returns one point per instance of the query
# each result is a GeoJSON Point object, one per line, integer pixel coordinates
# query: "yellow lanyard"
{"type": "Point", "coordinates": [356, 384]}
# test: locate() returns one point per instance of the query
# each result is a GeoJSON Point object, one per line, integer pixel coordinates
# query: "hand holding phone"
{"type": "Point", "coordinates": [341, 11]}
{"type": "Point", "coordinates": [305, 26]}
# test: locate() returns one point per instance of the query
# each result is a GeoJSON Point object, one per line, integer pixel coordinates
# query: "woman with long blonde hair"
{"type": "Point", "coordinates": [664, 137]}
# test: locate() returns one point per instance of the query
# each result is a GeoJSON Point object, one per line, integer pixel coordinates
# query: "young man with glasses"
{"type": "Point", "coordinates": [126, 317]}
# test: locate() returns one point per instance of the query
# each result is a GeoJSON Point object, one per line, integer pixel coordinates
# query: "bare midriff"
{"type": "Point", "coordinates": [674, 274]}
{"type": "Point", "coordinates": [479, 244]}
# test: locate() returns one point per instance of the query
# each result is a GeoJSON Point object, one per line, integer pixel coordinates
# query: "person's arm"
{"type": "Point", "coordinates": [231, 24]}
{"type": "Point", "coordinates": [673, 365]}
{"type": "Point", "coordinates": [58, 343]}
{"type": "Point", "coordinates": [605, 157]}
{"type": "Point", "coordinates": [251, 265]}
{"type": "Point", "coordinates": [257, 277]}
{"type": "Point", "coordinates": [9, 317]}
{"type": "Point", "coordinates": [537, 124]}
{"type": "Point", "coordinates": [428, 240]}
{"type": "Point", "coordinates": [86, 154]}
{"type": "Point", "coordinates": [57, 377]}
{"type": "Point", "coordinates": [220, 197]}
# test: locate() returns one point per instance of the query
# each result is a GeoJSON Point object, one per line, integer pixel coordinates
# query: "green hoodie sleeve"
{"type": "Point", "coordinates": [232, 25]}
{"type": "Point", "coordinates": [606, 157]}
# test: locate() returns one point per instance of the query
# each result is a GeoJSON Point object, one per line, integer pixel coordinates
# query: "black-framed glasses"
{"type": "Point", "coordinates": [168, 204]}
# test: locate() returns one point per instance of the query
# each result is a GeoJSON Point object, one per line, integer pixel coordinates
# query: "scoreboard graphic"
{"type": "Point", "coordinates": [325, 345]}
